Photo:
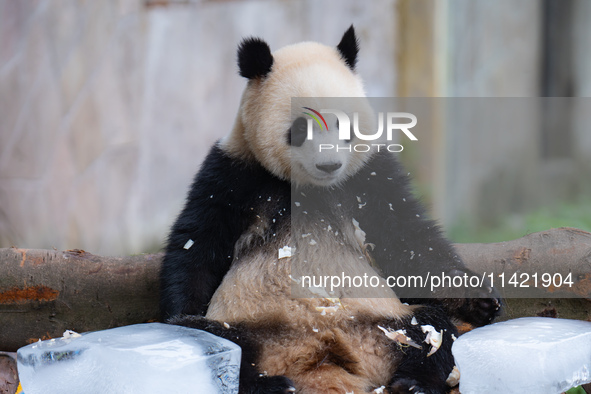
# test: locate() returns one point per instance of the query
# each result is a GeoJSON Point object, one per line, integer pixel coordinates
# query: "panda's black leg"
{"type": "Point", "coordinates": [418, 372]}
{"type": "Point", "coordinates": [479, 306]}
{"type": "Point", "coordinates": [251, 380]}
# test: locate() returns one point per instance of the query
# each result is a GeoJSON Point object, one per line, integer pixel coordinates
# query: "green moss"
{"type": "Point", "coordinates": [567, 214]}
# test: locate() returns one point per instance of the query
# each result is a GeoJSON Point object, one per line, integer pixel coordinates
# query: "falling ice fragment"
{"type": "Point", "coordinates": [284, 252]}
{"type": "Point", "coordinates": [359, 233]}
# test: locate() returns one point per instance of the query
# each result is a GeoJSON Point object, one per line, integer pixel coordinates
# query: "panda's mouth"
{"type": "Point", "coordinates": [323, 179]}
{"type": "Point", "coordinates": [328, 179]}
{"type": "Point", "coordinates": [318, 178]}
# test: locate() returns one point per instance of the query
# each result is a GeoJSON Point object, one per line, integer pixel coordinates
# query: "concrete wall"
{"type": "Point", "coordinates": [487, 166]}
{"type": "Point", "coordinates": [494, 51]}
{"type": "Point", "coordinates": [108, 107]}
{"type": "Point", "coordinates": [582, 70]}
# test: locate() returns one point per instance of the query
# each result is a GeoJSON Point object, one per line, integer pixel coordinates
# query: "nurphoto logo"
{"type": "Point", "coordinates": [344, 125]}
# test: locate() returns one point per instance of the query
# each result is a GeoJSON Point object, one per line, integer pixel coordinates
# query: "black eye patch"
{"type": "Point", "coordinates": [298, 132]}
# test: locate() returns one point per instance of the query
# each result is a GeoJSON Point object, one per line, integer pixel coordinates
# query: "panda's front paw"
{"type": "Point", "coordinates": [479, 306]}
{"type": "Point", "coordinates": [481, 311]}
{"type": "Point", "coordinates": [271, 385]}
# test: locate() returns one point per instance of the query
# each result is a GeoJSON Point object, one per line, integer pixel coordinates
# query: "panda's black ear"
{"type": "Point", "coordinates": [349, 48]}
{"type": "Point", "coordinates": [254, 58]}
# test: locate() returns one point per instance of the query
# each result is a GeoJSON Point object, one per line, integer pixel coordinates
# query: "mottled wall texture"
{"type": "Point", "coordinates": [108, 107]}
{"type": "Point", "coordinates": [518, 50]}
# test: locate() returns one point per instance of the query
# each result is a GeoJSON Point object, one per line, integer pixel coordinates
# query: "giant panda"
{"type": "Point", "coordinates": [222, 271]}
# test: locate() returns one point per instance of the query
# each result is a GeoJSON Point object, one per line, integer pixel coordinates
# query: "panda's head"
{"type": "Point", "coordinates": [267, 131]}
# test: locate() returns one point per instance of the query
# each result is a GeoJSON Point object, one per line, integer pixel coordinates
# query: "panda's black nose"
{"type": "Point", "coordinates": [329, 167]}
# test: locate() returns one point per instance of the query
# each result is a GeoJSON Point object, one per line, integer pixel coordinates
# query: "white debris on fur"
{"type": "Point", "coordinates": [327, 309]}
{"type": "Point", "coordinates": [284, 252]}
{"type": "Point", "coordinates": [454, 377]}
{"type": "Point", "coordinates": [359, 233]}
{"type": "Point", "coordinates": [433, 338]}
{"type": "Point", "coordinates": [399, 336]}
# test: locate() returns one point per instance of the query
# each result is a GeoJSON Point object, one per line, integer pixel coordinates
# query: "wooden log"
{"type": "Point", "coordinates": [8, 373]}
{"type": "Point", "coordinates": [562, 250]}
{"type": "Point", "coordinates": [45, 292]}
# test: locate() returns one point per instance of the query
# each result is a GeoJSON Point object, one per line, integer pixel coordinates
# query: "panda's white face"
{"type": "Point", "coordinates": [265, 123]}
{"type": "Point", "coordinates": [322, 160]}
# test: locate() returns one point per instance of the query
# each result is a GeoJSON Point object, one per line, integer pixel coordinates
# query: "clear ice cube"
{"type": "Point", "coordinates": [527, 355]}
{"type": "Point", "coordinates": [143, 358]}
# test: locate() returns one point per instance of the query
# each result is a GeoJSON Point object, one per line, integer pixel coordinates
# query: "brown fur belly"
{"type": "Point", "coordinates": [324, 345]}
{"type": "Point", "coordinates": [349, 358]}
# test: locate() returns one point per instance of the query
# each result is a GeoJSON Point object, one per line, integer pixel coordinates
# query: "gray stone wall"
{"type": "Point", "coordinates": [493, 167]}
{"type": "Point", "coordinates": [582, 69]}
{"type": "Point", "coordinates": [494, 51]}
{"type": "Point", "coordinates": [108, 107]}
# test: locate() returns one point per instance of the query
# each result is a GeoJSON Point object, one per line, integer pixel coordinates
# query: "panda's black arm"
{"type": "Point", "coordinates": [213, 218]}
{"type": "Point", "coordinates": [396, 223]}
{"type": "Point", "coordinates": [407, 243]}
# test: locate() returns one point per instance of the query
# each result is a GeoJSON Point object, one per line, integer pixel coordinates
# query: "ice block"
{"type": "Point", "coordinates": [527, 355]}
{"type": "Point", "coordinates": [143, 358]}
